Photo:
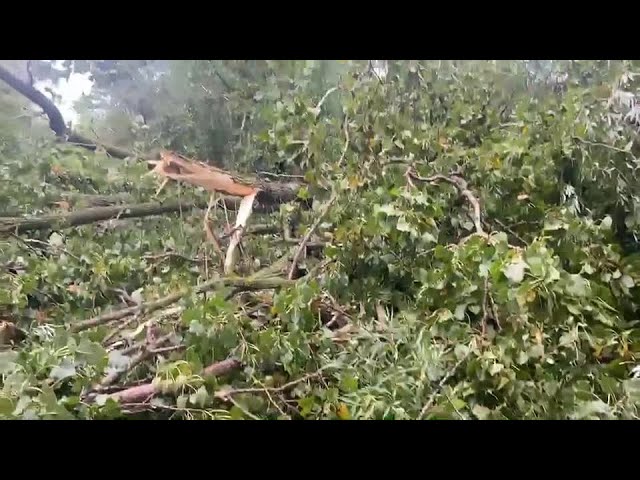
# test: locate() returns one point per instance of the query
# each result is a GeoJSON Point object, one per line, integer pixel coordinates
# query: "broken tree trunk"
{"type": "Point", "coordinates": [18, 225]}
{"type": "Point", "coordinates": [270, 192]}
{"type": "Point", "coordinates": [172, 165]}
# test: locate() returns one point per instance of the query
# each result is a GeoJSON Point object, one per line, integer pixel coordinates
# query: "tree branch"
{"type": "Point", "coordinates": [17, 225]}
{"type": "Point", "coordinates": [56, 120]}
{"type": "Point", "coordinates": [144, 392]}
{"type": "Point", "coordinates": [462, 187]}
{"type": "Point", "coordinates": [307, 236]}
{"type": "Point", "coordinates": [249, 283]}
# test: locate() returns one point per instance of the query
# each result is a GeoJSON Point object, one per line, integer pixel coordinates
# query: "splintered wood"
{"type": "Point", "coordinates": [176, 167]}
{"type": "Point", "coordinates": [173, 166]}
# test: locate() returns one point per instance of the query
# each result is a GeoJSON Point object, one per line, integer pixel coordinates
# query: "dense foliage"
{"type": "Point", "coordinates": [479, 253]}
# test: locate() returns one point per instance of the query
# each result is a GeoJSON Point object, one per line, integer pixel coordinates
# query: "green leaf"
{"type": "Point", "coordinates": [181, 401]}
{"type": "Point", "coordinates": [306, 405]}
{"type": "Point", "coordinates": [523, 358]}
{"type": "Point", "coordinates": [303, 193]}
{"type": "Point", "coordinates": [403, 226]}
{"type": "Point", "coordinates": [66, 369]}
{"type": "Point", "coordinates": [481, 412]}
{"type": "Point", "coordinates": [592, 410]}
{"type": "Point", "coordinates": [627, 281]}
{"type": "Point", "coordinates": [53, 408]}
{"type": "Point", "coordinates": [632, 388]}
{"type": "Point", "coordinates": [6, 407]}
{"type": "Point", "coordinates": [348, 383]}
{"type": "Point", "coordinates": [236, 413]}
{"type": "Point", "coordinates": [536, 351]}
{"type": "Point", "coordinates": [460, 311]}
{"type": "Point", "coordinates": [200, 398]}
{"type": "Point", "coordinates": [461, 351]}
{"type": "Point", "coordinates": [577, 286]}
{"type": "Point", "coordinates": [609, 385]}
{"type": "Point", "coordinates": [118, 361]}
{"type": "Point", "coordinates": [458, 404]}
{"type": "Point", "coordinates": [515, 271]}
{"type": "Point", "coordinates": [7, 362]}
{"type": "Point", "coordinates": [387, 209]}
{"type": "Point", "coordinates": [569, 338]}
{"type": "Point", "coordinates": [92, 352]}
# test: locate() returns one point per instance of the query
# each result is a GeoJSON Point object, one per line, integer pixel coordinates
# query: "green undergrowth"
{"type": "Point", "coordinates": [417, 309]}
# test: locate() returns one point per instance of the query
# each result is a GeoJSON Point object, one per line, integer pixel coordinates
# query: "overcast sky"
{"type": "Point", "coordinates": [70, 91]}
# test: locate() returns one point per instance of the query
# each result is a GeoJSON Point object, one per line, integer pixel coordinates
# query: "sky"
{"type": "Point", "coordinates": [70, 91]}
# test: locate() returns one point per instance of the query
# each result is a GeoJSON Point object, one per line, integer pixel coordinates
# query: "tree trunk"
{"type": "Point", "coordinates": [91, 215]}
{"type": "Point", "coordinates": [86, 216]}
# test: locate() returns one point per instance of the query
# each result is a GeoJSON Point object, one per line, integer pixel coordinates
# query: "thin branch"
{"type": "Point", "coordinates": [307, 236]}
{"type": "Point", "coordinates": [243, 410]}
{"type": "Point", "coordinates": [90, 215]}
{"type": "Point", "coordinates": [137, 360]}
{"type": "Point", "coordinates": [511, 231]}
{"type": "Point", "coordinates": [223, 80]}
{"type": "Point", "coordinates": [604, 145]}
{"type": "Point", "coordinates": [225, 394]}
{"type": "Point", "coordinates": [463, 190]}
{"type": "Point", "coordinates": [280, 175]}
{"type": "Point", "coordinates": [485, 312]}
{"type": "Point", "coordinates": [146, 307]}
{"type": "Point", "coordinates": [441, 384]}
{"type": "Point", "coordinates": [146, 391]}
{"type": "Point", "coordinates": [165, 255]}
{"type": "Point", "coordinates": [346, 142]}
{"type": "Point", "coordinates": [494, 312]}
{"type": "Point", "coordinates": [324, 98]}
{"type": "Point", "coordinates": [172, 348]}
{"type": "Point", "coordinates": [27, 241]}
{"type": "Point", "coordinates": [119, 329]}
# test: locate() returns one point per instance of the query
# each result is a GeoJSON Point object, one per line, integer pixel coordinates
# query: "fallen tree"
{"type": "Point", "coordinates": [18, 225]}
{"type": "Point", "coordinates": [270, 191]}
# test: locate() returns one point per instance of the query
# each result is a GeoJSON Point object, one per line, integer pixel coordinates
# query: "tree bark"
{"type": "Point", "coordinates": [56, 120]}
{"type": "Point", "coordinates": [18, 225]}
{"type": "Point", "coordinates": [144, 392]}
{"type": "Point", "coordinates": [91, 215]}
{"type": "Point", "coordinates": [76, 138]}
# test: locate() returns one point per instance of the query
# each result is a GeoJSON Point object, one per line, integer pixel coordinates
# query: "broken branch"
{"type": "Point", "coordinates": [226, 394]}
{"type": "Point", "coordinates": [144, 392]}
{"type": "Point", "coordinates": [85, 216]}
{"type": "Point", "coordinates": [251, 283]}
{"type": "Point", "coordinates": [307, 236]}
{"type": "Point", "coordinates": [463, 189]}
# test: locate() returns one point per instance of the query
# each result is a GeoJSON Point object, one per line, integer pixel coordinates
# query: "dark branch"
{"type": "Point", "coordinates": [56, 120]}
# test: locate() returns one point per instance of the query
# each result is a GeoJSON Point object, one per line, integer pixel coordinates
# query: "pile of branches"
{"type": "Point", "coordinates": [241, 194]}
